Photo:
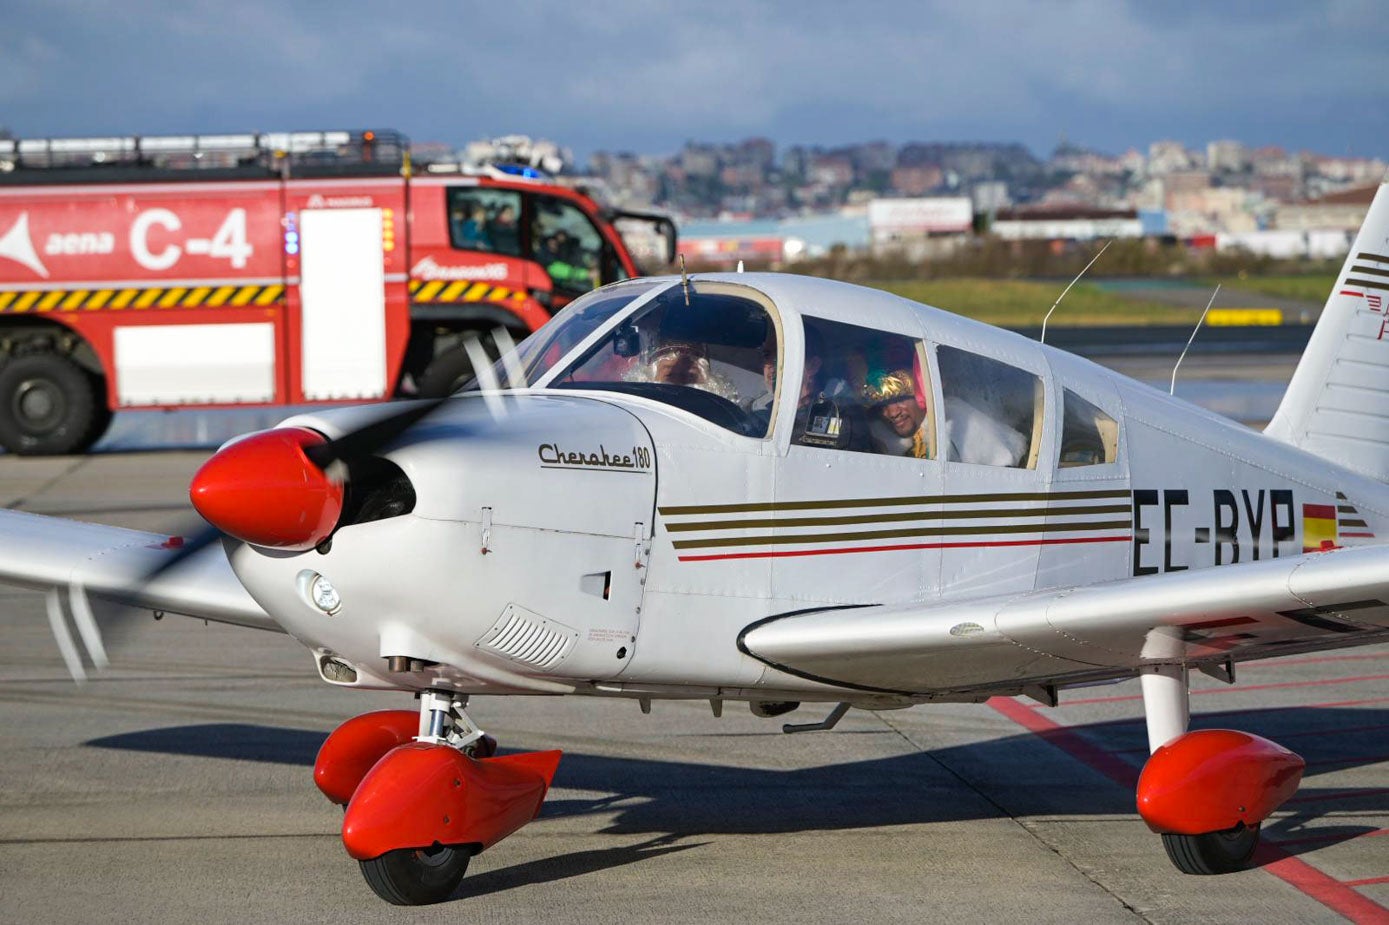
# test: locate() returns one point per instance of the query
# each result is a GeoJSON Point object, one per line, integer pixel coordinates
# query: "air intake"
{"type": "Point", "coordinates": [528, 638]}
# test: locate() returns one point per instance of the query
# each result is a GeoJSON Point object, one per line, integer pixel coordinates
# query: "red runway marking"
{"type": "Point", "coordinates": [1069, 741]}
{"type": "Point", "coordinates": [1368, 881]}
{"type": "Point", "coordinates": [1339, 795]}
{"type": "Point", "coordinates": [1346, 703]}
{"type": "Point", "coordinates": [1328, 891]}
{"type": "Point", "coordinates": [1315, 660]}
{"type": "Point", "coordinates": [1241, 688]}
{"type": "Point", "coordinates": [1320, 733]}
{"type": "Point", "coordinates": [1299, 874]}
{"type": "Point", "coordinates": [1335, 731]}
{"type": "Point", "coordinates": [1358, 759]}
{"type": "Point", "coordinates": [1313, 839]}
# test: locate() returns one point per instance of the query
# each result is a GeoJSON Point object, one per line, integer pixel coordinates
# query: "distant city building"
{"type": "Point", "coordinates": [893, 221]}
{"type": "Point", "coordinates": [1227, 156]}
{"type": "Point", "coordinates": [1284, 245]}
{"type": "Point", "coordinates": [1343, 211]}
{"type": "Point", "coordinates": [1166, 157]}
{"type": "Point", "coordinates": [990, 196]}
{"type": "Point", "coordinates": [1067, 224]}
{"type": "Point", "coordinates": [917, 179]}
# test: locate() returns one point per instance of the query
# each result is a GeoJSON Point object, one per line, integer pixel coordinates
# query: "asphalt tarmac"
{"type": "Point", "coordinates": [177, 787]}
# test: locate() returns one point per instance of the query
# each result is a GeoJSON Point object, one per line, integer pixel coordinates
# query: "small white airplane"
{"type": "Point", "coordinates": [778, 490]}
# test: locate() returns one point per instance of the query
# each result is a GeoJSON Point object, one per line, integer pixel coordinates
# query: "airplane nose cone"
{"type": "Point", "coordinates": [265, 490]}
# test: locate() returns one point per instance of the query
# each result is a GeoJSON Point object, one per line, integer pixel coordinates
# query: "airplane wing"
{"type": "Point", "coordinates": [114, 564]}
{"type": "Point", "coordinates": [1202, 618]}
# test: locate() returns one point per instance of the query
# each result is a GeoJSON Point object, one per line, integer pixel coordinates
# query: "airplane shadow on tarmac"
{"type": "Point", "coordinates": [1018, 775]}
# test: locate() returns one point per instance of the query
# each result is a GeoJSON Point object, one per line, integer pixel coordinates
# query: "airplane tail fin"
{"type": "Point", "coordinates": [1337, 404]}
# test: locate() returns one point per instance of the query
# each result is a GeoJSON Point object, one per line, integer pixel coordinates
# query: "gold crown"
{"type": "Point", "coordinates": [889, 387]}
{"type": "Point", "coordinates": [681, 347]}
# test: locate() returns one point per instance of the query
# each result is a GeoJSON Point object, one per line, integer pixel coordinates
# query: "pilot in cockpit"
{"type": "Point", "coordinates": [682, 362]}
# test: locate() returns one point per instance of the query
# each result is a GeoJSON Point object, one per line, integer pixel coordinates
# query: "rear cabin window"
{"type": "Point", "coordinates": [1089, 437]}
{"type": "Point", "coordinates": [993, 411]}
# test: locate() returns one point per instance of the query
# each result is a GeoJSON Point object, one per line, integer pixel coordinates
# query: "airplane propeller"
{"type": "Point", "coordinates": [284, 488]}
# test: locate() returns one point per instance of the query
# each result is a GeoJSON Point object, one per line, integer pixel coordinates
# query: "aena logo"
{"type": "Point", "coordinates": [16, 245]}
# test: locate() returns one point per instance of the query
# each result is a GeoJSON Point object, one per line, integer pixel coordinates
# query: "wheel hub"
{"type": "Point", "coordinates": [39, 405]}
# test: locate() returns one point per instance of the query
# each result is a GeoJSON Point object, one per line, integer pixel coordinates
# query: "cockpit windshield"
{"type": "Point", "coordinates": [710, 353]}
{"type": "Point", "coordinates": [580, 318]}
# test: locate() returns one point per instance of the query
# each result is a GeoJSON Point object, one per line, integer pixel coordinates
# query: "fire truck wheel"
{"type": "Point", "coordinates": [49, 406]}
{"type": "Point", "coordinates": [449, 371]}
{"type": "Point", "coordinates": [102, 414]}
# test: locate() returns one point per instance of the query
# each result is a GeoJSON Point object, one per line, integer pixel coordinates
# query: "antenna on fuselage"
{"type": "Point", "coordinates": [1172, 389]}
{"type": "Point", "coordinates": [684, 280]}
{"type": "Point", "coordinates": [1043, 338]}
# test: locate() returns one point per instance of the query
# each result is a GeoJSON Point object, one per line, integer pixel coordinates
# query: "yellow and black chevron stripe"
{"type": "Point", "coordinates": [71, 300]}
{"type": "Point", "coordinates": [442, 291]}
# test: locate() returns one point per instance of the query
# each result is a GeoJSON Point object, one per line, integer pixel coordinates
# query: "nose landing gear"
{"type": "Point", "coordinates": [423, 795]}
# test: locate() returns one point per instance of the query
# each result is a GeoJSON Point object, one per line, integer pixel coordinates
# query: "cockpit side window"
{"type": "Point", "coordinates": [993, 411]}
{"type": "Point", "coordinates": [704, 356]}
{"type": "Point", "coordinates": [865, 391]}
{"type": "Point", "coordinates": [1089, 437]}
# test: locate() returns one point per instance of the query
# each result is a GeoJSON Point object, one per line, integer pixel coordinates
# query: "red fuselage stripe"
{"type": "Point", "coordinates": [844, 550]}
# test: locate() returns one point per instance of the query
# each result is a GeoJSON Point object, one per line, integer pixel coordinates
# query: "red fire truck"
{"type": "Point", "coordinates": [231, 270]}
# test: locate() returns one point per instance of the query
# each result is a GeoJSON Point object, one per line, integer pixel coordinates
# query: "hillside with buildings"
{"type": "Point", "coordinates": [750, 201]}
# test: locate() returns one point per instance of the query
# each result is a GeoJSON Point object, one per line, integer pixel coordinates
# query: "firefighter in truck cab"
{"type": "Point", "coordinates": [273, 269]}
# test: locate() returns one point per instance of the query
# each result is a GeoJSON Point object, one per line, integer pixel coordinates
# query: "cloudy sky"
{"type": "Point", "coordinates": [645, 75]}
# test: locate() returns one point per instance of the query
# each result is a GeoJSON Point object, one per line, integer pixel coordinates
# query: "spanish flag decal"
{"type": "Point", "coordinates": [1318, 527]}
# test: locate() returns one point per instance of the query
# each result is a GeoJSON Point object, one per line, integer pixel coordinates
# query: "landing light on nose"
{"type": "Point", "coordinates": [265, 490]}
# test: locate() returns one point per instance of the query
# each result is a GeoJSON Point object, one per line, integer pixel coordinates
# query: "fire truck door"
{"type": "Point", "coordinates": [343, 304]}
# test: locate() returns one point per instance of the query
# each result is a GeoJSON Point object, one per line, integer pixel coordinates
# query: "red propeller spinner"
{"type": "Point", "coordinates": [265, 489]}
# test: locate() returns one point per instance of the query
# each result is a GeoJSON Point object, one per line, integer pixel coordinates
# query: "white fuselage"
{"type": "Point", "coordinates": [607, 543]}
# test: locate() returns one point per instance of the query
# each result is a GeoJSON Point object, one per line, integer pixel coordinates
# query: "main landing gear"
{"type": "Point", "coordinates": [1207, 792]}
{"type": "Point", "coordinates": [425, 792]}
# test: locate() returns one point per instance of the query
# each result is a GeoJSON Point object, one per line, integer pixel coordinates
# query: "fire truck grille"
{"type": "Point", "coordinates": [528, 638]}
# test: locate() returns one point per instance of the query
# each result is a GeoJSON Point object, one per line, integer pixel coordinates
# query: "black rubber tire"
{"type": "Point", "coordinates": [417, 876]}
{"type": "Point", "coordinates": [49, 406]}
{"type": "Point", "coordinates": [101, 419]}
{"type": "Point", "coordinates": [1213, 852]}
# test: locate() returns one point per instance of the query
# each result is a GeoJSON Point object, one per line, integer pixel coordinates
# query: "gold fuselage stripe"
{"type": "Point", "coordinates": [988, 529]}
{"type": "Point", "coordinates": [903, 501]}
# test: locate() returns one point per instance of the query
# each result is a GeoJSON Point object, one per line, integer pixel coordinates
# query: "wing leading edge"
{"type": "Point", "coordinates": [112, 563]}
{"type": "Point", "coordinates": [1279, 606]}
